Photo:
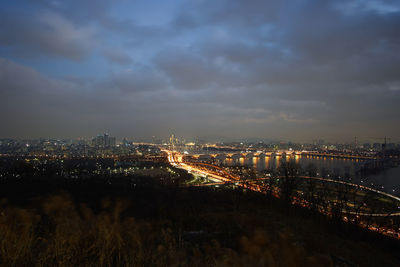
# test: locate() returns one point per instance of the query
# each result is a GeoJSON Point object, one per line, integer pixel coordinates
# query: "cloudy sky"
{"type": "Point", "coordinates": [297, 69]}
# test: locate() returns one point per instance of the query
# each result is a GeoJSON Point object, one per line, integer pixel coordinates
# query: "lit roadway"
{"type": "Point", "coordinates": [175, 159]}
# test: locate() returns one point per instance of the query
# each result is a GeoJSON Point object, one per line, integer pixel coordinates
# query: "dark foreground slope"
{"type": "Point", "coordinates": [139, 221]}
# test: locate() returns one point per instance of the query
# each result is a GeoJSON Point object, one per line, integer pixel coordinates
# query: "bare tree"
{"type": "Point", "coordinates": [288, 174]}
{"type": "Point", "coordinates": [311, 186]}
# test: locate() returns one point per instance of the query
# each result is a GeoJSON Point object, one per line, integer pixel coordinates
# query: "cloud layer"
{"type": "Point", "coordinates": [295, 70]}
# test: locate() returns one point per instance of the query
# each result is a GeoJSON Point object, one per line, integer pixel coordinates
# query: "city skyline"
{"type": "Point", "coordinates": [275, 70]}
{"type": "Point", "coordinates": [202, 140]}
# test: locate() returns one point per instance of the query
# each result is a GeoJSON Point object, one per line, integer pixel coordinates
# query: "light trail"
{"type": "Point", "coordinates": [362, 187]}
{"type": "Point", "coordinates": [302, 202]}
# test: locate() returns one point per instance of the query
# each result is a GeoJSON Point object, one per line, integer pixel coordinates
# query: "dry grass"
{"type": "Point", "coordinates": [61, 233]}
{"type": "Point", "coordinates": [65, 235]}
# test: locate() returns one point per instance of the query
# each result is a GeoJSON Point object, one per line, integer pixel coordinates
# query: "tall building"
{"type": "Point", "coordinates": [112, 141]}
{"type": "Point", "coordinates": [172, 142]}
{"type": "Point", "coordinates": [103, 141]}
{"type": "Point", "coordinates": [98, 141]}
{"type": "Point", "coordinates": [106, 140]}
{"type": "Point", "coordinates": [125, 142]}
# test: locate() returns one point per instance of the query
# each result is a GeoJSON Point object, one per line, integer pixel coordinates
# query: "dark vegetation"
{"type": "Point", "coordinates": [149, 219]}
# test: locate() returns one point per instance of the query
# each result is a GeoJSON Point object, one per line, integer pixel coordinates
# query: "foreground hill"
{"type": "Point", "coordinates": [143, 220]}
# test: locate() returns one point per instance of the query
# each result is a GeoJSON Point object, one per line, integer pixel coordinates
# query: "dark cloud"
{"type": "Point", "coordinates": [189, 71]}
{"type": "Point", "coordinates": [289, 69]}
{"type": "Point", "coordinates": [45, 33]}
{"type": "Point", "coordinates": [117, 56]}
{"type": "Point", "coordinates": [140, 79]}
{"type": "Point", "coordinates": [81, 11]}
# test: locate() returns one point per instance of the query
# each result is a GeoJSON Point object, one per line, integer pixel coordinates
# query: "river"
{"type": "Point", "coordinates": [387, 179]}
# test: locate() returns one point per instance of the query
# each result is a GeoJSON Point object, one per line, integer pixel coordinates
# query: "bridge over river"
{"type": "Point", "coordinates": [283, 153]}
{"type": "Point", "coordinates": [219, 175]}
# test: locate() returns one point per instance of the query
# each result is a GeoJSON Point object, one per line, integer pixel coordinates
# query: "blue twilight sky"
{"type": "Point", "coordinates": [297, 70]}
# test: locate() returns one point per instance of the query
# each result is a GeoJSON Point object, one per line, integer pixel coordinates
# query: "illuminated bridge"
{"type": "Point", "coordinates": [222, 175]}
{"type": "Point", "coordinates": [233, 155]}
{"type": "Point", "coordinates": [263, 154]}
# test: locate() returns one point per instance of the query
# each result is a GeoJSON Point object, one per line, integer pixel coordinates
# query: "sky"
{"type": "Point", "coordinates": [292, 70]}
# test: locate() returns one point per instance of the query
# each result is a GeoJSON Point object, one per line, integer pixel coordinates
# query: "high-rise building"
{"type": "Point", "coordinates": [98, 141]}
{"type": "Point", "coordinates": [106, 140]}
{"type": "Point", "coordinates": [103, 141]}
{"type": "Point", "coordinates": [173, 142]}
{"type": "Point", "coordinates": [125, 142]}
{"type": "Point", "coordinates": [111, 141]}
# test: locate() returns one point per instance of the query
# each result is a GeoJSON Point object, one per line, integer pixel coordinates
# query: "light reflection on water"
{"type": "Point", "coordinates": [386, 180]}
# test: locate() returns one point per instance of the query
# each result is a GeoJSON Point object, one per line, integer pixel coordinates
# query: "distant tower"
{"type": "Point", "coordinates": [106, 140]}
{"type": "Point", "coordinates": [172, 142]}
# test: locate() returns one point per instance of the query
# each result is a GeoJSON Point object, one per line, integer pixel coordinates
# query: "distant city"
{"type": "Point", "coordinates": [107, 145]}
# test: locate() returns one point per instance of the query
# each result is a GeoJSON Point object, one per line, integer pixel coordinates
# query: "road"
{"type": "Point", "coordinates": [175, 159]}
{"type": "Point", "coordinates": [220, 175]}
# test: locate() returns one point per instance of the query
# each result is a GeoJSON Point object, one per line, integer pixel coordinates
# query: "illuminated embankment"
{"type": "Point", "coordinates": [221, 175]}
